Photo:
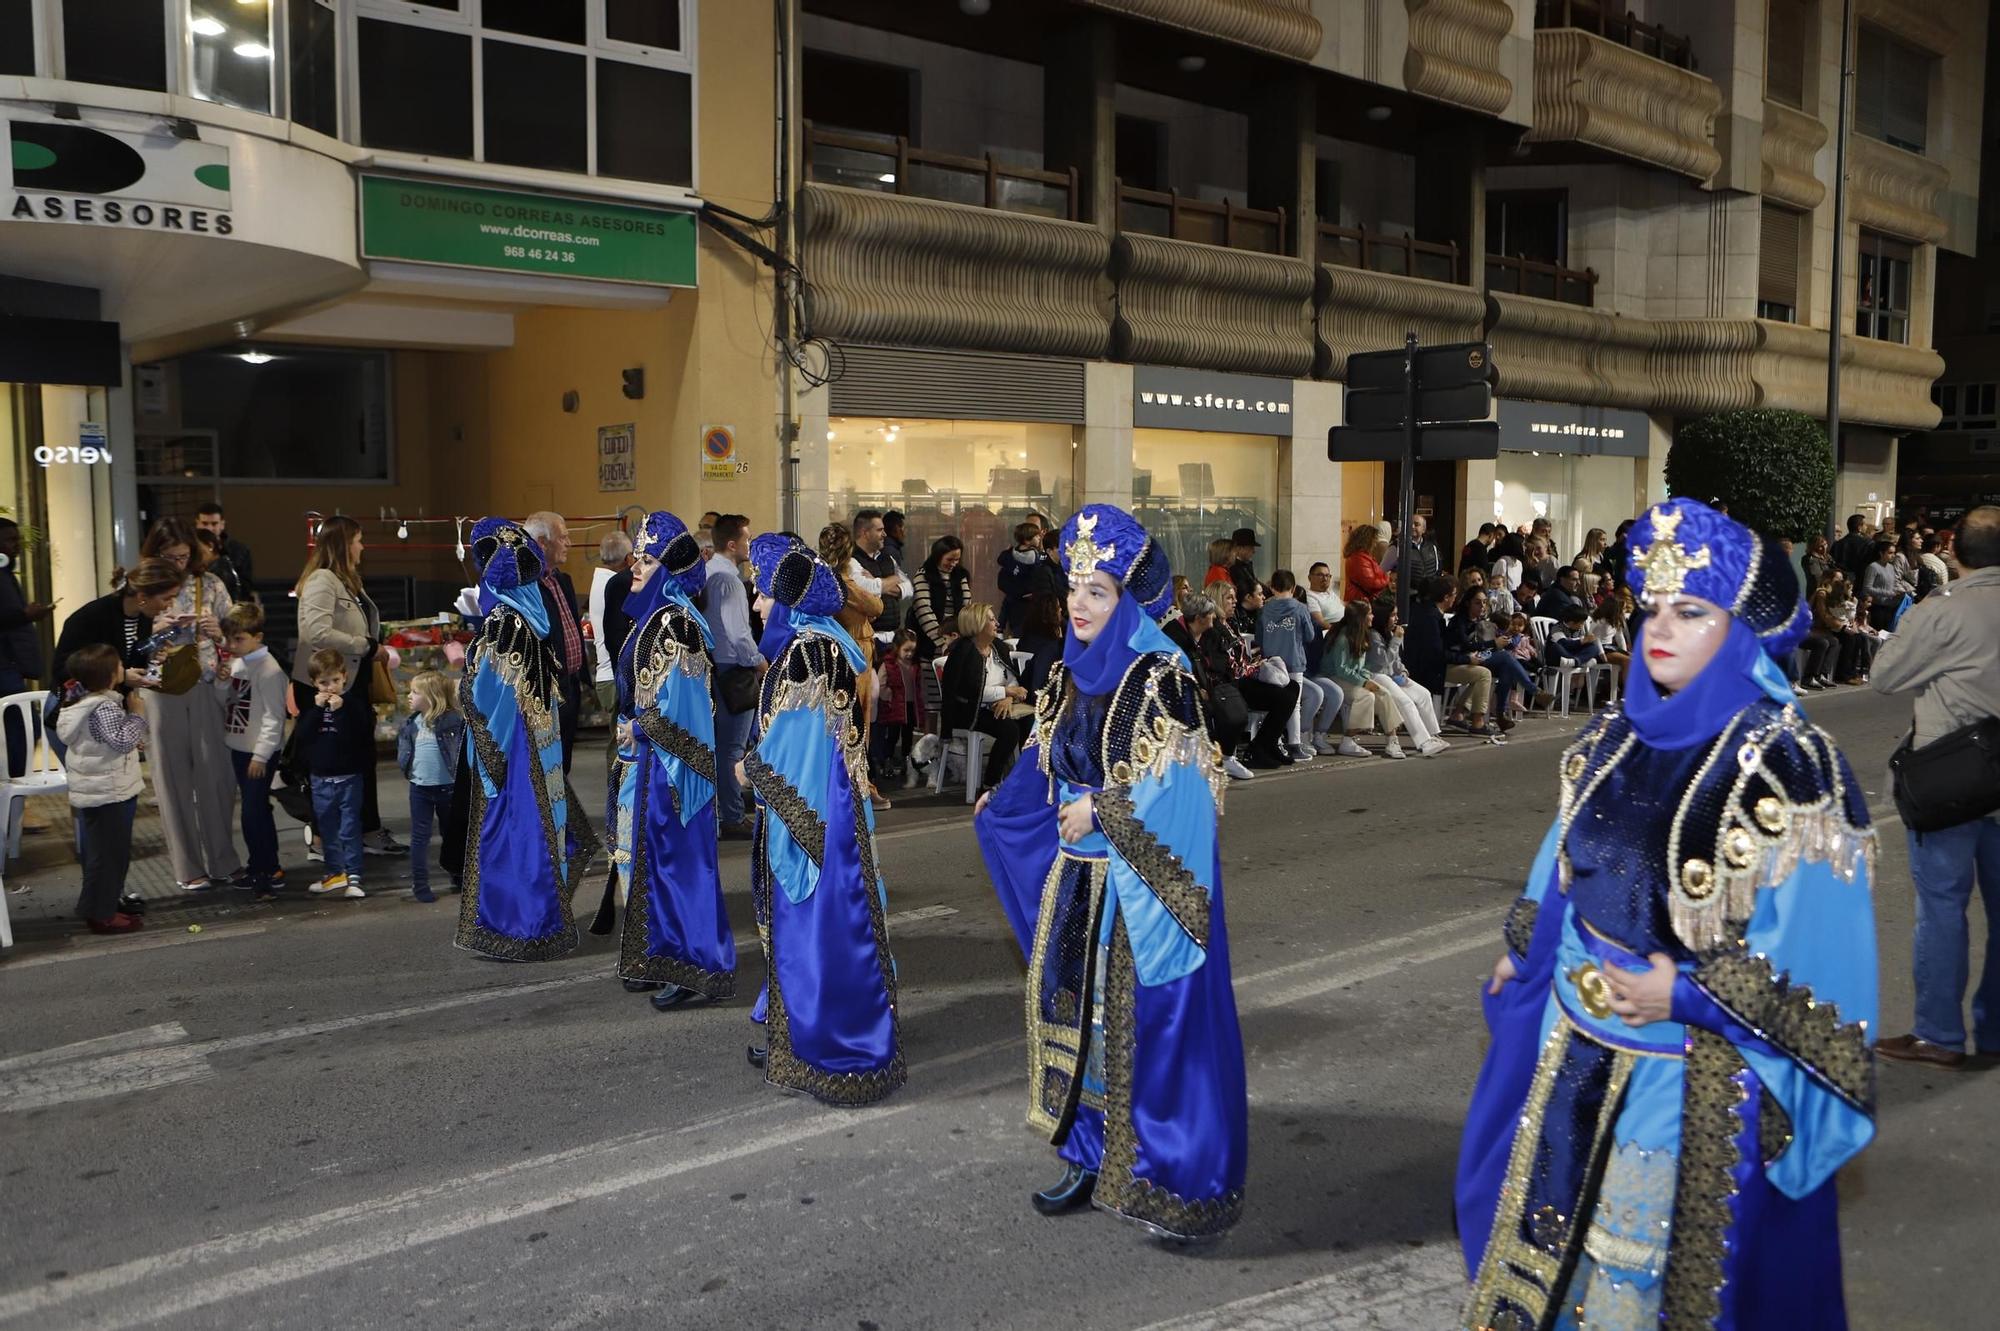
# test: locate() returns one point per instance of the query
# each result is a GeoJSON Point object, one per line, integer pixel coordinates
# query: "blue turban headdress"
{"type": "Point", "coordinates": [510, 564]}
{"type": "Point", "coordinates": [667, 539]}
{"type": "Point", "coordinates": [1685, 547]}
{"type": "Point", "coordinates": [1105, 538]}
{"type": "Point", "coordinates": [806, 591]}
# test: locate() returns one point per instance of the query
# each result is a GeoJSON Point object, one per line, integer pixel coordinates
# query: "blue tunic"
{"type": "Point", "coordinates": [676, 924]}
{"type": "Point", "coordinates": [1135, 1055]}
{"type": "Point", "coordinates": [1681, 1172]}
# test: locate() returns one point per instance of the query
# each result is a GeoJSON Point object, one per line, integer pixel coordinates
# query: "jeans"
{"type": "Point", "coordinates": [337, 810]}
{"type": "Point", "coordinates": [1508, 674]}
{"type": "Point", "coordinates": [1574, 651]}
{"type": "Point", "coordinates": [426, 803]}
{"type": "Point", "coordinates": [104, 833]}
{"type": "Point", "coordinates": [732, 735]}
{"type": "Point", "coordinates": [260, 829]}
{"type": "Point", "coordinates": [1944, 865]}
{"type": "Point", "coordinates": [1320, 704]}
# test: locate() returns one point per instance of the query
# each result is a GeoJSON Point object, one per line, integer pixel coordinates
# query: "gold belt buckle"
{"type": "Point", "coordinates": [1593, 990]}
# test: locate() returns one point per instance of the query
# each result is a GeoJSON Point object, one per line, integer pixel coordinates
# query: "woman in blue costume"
{"type": "Point", "coordinates": [524, 851]}
{"type": "Point", "coordinates": [1102, 843]}
{"type": "Point", "coordinates": [676, 937]}
{"type": "Point", "coordinates": [1680, 1058]}
{"type": "Point", "coordinates": [829, 1005]}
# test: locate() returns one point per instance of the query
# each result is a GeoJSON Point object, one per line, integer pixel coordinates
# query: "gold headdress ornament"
{"type": "Point", "coordinates": [508, 535]}
{"type": "Point", "coordinates": [1084, 553]}
{"type": "Point", "coordinates": [1667, 562]}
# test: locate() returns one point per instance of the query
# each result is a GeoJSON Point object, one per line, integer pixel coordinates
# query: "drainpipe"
{"type": "Point", "coordinates": [1839, 238]}
{"type": "Point", "coordinates": [786, 14]}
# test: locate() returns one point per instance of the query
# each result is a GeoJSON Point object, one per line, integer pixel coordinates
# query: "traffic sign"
{"type": "Point", "coordinates": [1447, 442]}
{"type": "Point", "coordinates": [1453, 366]}
{"type": "Point", "coordinates": [1372, 408]}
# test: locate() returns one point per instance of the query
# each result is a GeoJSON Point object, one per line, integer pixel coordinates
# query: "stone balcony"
{"type": "Point", "coordinates": [1592, 91]}
{"type": "Point", "coordinates": [1454, 52]}
{"type": "Point", "coordinates": [1360, 311]}
{"type": "Point", "coordinates": [1792, 139]}
{"type": "Point", "coordinates": [1211, 308]}
{"type": "Point", "coordinates": [1894, 191]}
{"type": "Point", "coordinates": [1281, 27]}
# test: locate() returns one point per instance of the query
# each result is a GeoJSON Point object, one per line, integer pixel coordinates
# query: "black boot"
{"type": "Point", "coordinates": [671, 997]}
{"type": "Point", "coordinates": [1069, 1193]}
{"type": "Point", "coordinates": [642, 986]}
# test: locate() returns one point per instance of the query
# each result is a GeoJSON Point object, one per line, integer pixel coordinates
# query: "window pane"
{"type": "Point", "coordinates": [120, 42]}
{"type": "Point", "coordinates": [416, 89]}
{"type": "Point", "coordinates": [17, 37]}
{"type": "Point", "coordinates": [645, 124]}
{"type": "Point", "coordinates": [654, 23]}
{"type": "Point", "coordinates": [535, 107]}
{"type": "Point", "coordinates": [557, 20]}
{"type": "Point", "coordinates": [305, 414]}
{"type": "Point", "coordinates": [230, 55]}
{"type": "Point", "coordinates": [313, 30]}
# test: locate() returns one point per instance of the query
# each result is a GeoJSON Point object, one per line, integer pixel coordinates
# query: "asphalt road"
{"type": "Point", "coordinates": [324, 1116]}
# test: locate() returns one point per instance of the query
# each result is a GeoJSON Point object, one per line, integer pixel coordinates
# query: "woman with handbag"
{"type": "Point", "coordinates": [981, 692]}
{"type": "Point", "coordinates": [192, 774]}
{"type": "Point", "coordinates": [336, 614]}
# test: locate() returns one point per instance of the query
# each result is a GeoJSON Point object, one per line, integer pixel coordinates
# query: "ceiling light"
{"type": "Point", "coordinates": [253, 50]}
{"type": "Point", "coordinates": [1191, 64]}
{"type": "Point", "coordinates": [830, 434]}
{"type": "Point", "coordinates": [206, 27]}
{"type": "Point", "coordinates": [976, 8]}
{"type": "Point", "coordinates": [887, 177]}
{"type": "Point", "coordinates": [1378, 114]}
{"type": "Point", "coordinates": [255, 358]}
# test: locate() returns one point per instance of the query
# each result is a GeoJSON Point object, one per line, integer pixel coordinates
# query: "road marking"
{"type": "Point", "coordinates": [167, 1032]}
{"type": "Point", "coordinates": [125, 947]}
{"type": "Point", "coordinates": [908, 917]}
{"type": "Point", "coordinates": [1403, 1290]}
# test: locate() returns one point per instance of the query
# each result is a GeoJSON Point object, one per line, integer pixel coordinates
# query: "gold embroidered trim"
{"type": "Point", "coordinates": [678, 741]}
{"type": "Point", "coordinates": [783, 800]}
{"type": "Point", "coordinates": [1161, 870]}
{"type": "Point", "coordinates": [1746, 986]}
{"type": "Point", "coordinates": [1519, 930]}
{"type": "Point", "coordinates": [1774, 1128]}
{"type": "Point", "coordinates": [1691, 1294]}
{"type": "Point", "coordinates": [1120, 1190]}
{"type": "Point", "coordinates": [1055, 1048]}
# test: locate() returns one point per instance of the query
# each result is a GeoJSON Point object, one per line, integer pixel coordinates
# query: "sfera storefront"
{"type": "Point", "coordinates": [968, 444]}
{"type": "Point", "coordinates": [1579, 467]}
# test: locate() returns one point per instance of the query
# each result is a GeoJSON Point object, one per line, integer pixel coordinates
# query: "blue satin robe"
{"type": "Point", "coordinates": [676, 924]}
{"type": "Point", "coordinates": [525, 850]}
{"type": "Point", "coordinates": [830, 999]}
{"type": "Point", "coordinates": [1686, 1165]}
{"type": "Point", "coordinates": [1135, 1055]}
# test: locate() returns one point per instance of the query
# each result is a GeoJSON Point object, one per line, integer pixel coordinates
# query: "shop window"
{"type": "Point", "coordinates": [1140, 151]}
{"type": "Point", "coordinates": [858, 96]}
{"type": "Point", "coordinates": [312, 33]}
{"type": "Point", "coordinates": [1945, 398]}
{"type": "Point", "coordinates": [17, 37]}
{"type": "Point", "coordinates": [1190, 487]}
{"type": "Point", "coordinates": [1785, 27]}
{"type": "Point", "coordinates": [645, 123]}
{"type": "Point", "coordinates": [1977, 408]}
{"type": "Point", "coordinates": [229, 53]}
{"type": "Point", "coordinates": [547, 130]}
{"type": "Point", "coordinates": [970, 479]}
{"type": "Point", "coordinates": [290, 413]}
{"type": "Point", "coordinates": [1892, 89]}
{"type": "Point", "coordinates": [1530, 224]}
{"type": "Point", "coordinates": [534, 62]}
{"type": "Point", "coordinates": [1882, 290]}
{"type": "Point", "coordinates": [1778, 265]}
{"type": "Point", "coordinates": [119, 42]}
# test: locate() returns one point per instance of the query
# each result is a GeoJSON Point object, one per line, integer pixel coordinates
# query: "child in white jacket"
{"type": "Point", "coordinates": [104, 734]}
{"type": "Point", "coordinates": [253, 726]}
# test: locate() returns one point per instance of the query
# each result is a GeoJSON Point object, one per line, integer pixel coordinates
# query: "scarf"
{"type": "Point", "coordinates": [1099, 664]}
{"type": "Point", "coordinates": [784, 624]}
{"type": "Point", "coordinates": [1737, 675]}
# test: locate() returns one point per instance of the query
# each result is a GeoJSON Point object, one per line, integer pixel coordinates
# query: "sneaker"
{"type": "Point", "coordinates": [131, 904]}
{"type": "Point", "coordinates": [1324, 745]}
{"type": "Point", "coordinates": [264, 894]}
{"type": "Point", "coordinates": [1236, 769]}
{"type": "Point", "coordinates": [333, 882]}
{"type": "Point", "coordinates": [314, 851]}
{"type": "Point", "coordinates": [379, 842]}
{"type": "Point", "coordinates": [1302, 753]}
{"type": "Point", "coordinates": [245, 881]}
{"type": "Point", "coordinates": [423, 894]}
{"type": "Point", "coordinates": [1431, 748]}
{"type": "Point", "coordinates": [196, 885]}
{"type": "Point", "coordinates": [351, 892]}
{"type": "Point", "coordinates": [1393, 750]}
{"type": "Point", "coordinates": [1349, 749]}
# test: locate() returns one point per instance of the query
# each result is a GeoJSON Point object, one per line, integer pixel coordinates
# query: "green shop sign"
{"type": "Point", "coordinates": [421, 221]}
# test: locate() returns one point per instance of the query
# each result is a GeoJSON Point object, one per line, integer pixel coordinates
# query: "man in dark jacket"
{"type": "Point", "coordinates": [1242, 569]}
{"type": "Point", "coordinates": [1855, 551]}
{"type": "Point", "coordinates": [20, 644]}
{"type": "Point", "coordinates": [1017, 575]}
{"type": "Point", "coordinates": [1478, 552]}
{"type": "Point", "coordinates": [210, 517]}
{"type": "Point", "coordinates": [565, 623]}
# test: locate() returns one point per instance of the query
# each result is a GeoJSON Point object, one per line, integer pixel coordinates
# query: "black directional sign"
{"type": "Point", "coordinates": [1456, 441]}
{"type": "Point", "coordinates": [1380, 407]}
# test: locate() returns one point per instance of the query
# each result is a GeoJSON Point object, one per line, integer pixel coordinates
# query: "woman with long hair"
{"type": "Point", "coordinates": [1681, 1019]}
{"type": "Point", "coordinates": [1136, 1058]}
{"type": "Point", "coordinates": [192, 774]}
{"type": "Point", "coordinates": [857, 616]}
{"type": "Point", "coordinates": [1365, 578]}
{"type": "Point", "coordinates": [943, 588]}
{"type": "Point", "coordinates": [336, 614]}
{"type": "Point", "coordinates": [829, 1006]}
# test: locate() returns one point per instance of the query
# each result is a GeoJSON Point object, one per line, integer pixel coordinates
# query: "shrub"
{"type": "Point", "coordinates": [1772, 468]}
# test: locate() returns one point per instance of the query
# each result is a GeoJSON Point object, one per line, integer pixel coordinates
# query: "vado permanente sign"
{"type": "Point", "coordinates": [553, 235]}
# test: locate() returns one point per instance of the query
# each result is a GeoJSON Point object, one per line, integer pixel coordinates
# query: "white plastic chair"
{"type": "Point", "coordinates": [1556, 679]}
{"type": "Point", "coordinates": [45, 775]}
{"type": "Point", "coordinates": [970, 743]}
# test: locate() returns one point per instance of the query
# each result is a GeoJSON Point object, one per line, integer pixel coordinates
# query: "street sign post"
{"type": "Point", "coordinates": [1416, 403]}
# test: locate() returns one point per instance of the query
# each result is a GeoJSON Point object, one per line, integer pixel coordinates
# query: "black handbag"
{"type": "Point", "coordinates": [736, 689]}
{"type": "Point", "coordinates": [1951, 780]}
{"type": "Point", "coordinates": [1232, 713]}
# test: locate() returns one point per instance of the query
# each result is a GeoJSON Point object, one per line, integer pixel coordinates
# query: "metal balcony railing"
{"type": "Point", "coordinates": [1523, 276]}
{"type": "Point", "coordinates": [1167, 213]}
{"type": "Point", "coordinates": [892, 166]}
{"type": "Point", "coordinates": [1616, 25]}
{"type": "Point", "coordinates": [1380, 252]}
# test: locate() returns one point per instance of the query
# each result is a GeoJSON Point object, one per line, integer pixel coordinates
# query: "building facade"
{"type": "Point", "coordinates": [418, 260]}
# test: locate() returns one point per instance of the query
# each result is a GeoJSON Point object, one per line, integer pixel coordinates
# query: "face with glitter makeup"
{"type": "Point", "coordinates": [1091, 602]}
{"type": "Point", "coordinates": [1681, 636]}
